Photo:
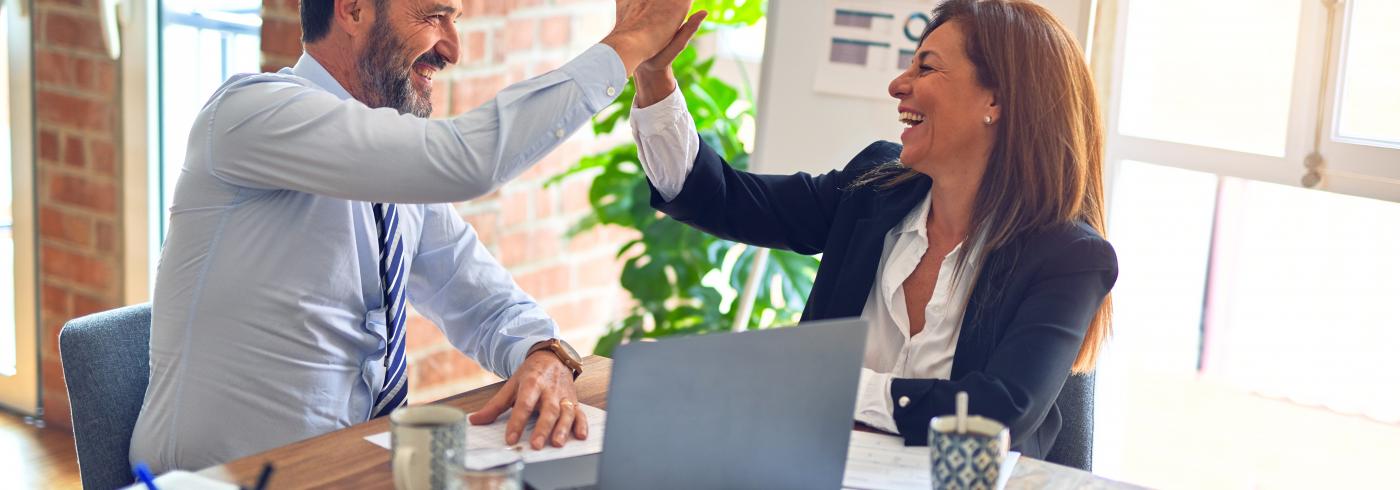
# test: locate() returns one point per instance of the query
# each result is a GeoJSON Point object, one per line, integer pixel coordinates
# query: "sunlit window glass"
{"type": "Point", "coordinates": [1306, 282]}
{"type": "Point", "coordinates": [7, 237]}
{"type": "Point", "coordinates": [203, 42]}
{"type": "Point", "coordinates": [1210, 73]}
{"type": "Point", "coordinates": [1370, 97]}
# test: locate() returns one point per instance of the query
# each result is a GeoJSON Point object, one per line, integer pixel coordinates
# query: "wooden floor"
{"type": "Point", "coordinates": [36, 458]}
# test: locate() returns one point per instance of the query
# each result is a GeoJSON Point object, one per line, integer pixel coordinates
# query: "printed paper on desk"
{"type": "Point", "coordinates": [493, 436]}
{"type": "Point", "coordinates": [184, 480]}
{"type": "Point", "coordinates": [879, 462]}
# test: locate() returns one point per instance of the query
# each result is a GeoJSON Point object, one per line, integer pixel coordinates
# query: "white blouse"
{"type": "Point", "coordinates": [667, 146]}
{"type": "Point", "coordinates": [889, 351]}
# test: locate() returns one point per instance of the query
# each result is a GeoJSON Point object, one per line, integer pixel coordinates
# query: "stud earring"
{"type": "Point", "coordinates": [987, 120]}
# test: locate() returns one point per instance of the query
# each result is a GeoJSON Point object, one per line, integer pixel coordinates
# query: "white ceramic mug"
{"type": "Point", "coordinates": [423, 438]}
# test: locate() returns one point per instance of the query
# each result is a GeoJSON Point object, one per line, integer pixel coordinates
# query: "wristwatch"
{"type": "Point", "coordinates": [564, 351]}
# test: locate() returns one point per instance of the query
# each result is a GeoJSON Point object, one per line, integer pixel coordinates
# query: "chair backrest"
{"type": "Point", "coordinates": [1074, 446]}
{"type": "Point", "coordinates": [106, 360]}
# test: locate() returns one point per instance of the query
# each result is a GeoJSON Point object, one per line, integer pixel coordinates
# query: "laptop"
{"type": "Point", "coordinates": [759, 409]}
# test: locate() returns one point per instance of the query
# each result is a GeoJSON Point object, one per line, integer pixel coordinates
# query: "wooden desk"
{"type": "Point", "coordinates": [344, 459]}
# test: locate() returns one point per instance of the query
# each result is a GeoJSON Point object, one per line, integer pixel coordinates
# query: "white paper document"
{"type": "Point", "coordinates": [879, 462]}
{"type": "Point", "coordinates": [184, 480]}
{"type": "Point", "coordinates": [493, 436]}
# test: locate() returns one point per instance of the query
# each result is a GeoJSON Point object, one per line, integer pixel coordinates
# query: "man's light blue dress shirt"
{"type": "Point", "coordinates": [268, 321]}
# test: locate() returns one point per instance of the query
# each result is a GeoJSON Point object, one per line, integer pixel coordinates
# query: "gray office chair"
{"type": "Point", "coordinates": [1074, 446]}
{"type": "Point", "coordinates": [106, 360]}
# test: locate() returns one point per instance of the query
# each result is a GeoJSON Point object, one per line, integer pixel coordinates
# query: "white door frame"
{"type": "Point", "coordinates": [140, 106]}
{"type": "Point", "coordinates": [20, 393]}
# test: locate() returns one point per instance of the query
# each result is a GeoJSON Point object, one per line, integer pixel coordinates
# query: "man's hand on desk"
{"type": "Point", "coordinates": [543, 384]}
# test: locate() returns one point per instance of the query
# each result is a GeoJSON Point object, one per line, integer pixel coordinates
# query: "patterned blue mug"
{"type": "Point", "coordinates": [970, 460]}
{"type": "Point", "coordinates": [423, 439]}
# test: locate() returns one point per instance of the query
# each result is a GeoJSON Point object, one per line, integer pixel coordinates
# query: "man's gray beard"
{"type": "Point", "coordinates": [383, 82]}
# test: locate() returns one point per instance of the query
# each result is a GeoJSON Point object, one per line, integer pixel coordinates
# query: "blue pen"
{"type": "Point", "coordinates": [143, 473]}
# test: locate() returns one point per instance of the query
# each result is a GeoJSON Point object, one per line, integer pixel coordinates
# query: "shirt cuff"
{"type": "Point", "coordinates": [601, 74]}
{"type": "Point", "coordinates": [667, 143]}
{"type": "Point", "coordinates": [521, 349]}
{"type": "Point", "coordinates": [655, 119]}
{"type": "Point", "coordinates": [873, 405]}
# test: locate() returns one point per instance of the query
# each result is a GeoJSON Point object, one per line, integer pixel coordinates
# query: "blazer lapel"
{"type": "Point", "coordinates": [857, 272]}
{"type": "Point", "coordinates": [867, 243]}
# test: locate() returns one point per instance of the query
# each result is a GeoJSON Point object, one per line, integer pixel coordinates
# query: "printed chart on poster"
{"type": "Point", "coordinates": [827, 66]}
{"type": "Point", "coordinates": [868, 43]}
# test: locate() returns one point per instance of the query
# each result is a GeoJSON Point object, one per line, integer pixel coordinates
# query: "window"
{"type": "Point", "coordinates": [1359, 137]}
{"type": "Point", "coordinates": [1195, 89]}
{"type": "Point", "coordinates": [175, 54]}
{"type": "Point", "coordinates": [1301, 298]}
{"type": "Point", "coordinates": [202, 43]}
{"type": "Point", "coordinates": [1295, 92]}
{"type": "Point", "coordinates": [19, 373]}
{"type": "Point", "coordinates": [1369, 100]}
{"type": "Point", "coordinates": [7, 222]}
{"type": "Point", "coordinates": [1255, 164]}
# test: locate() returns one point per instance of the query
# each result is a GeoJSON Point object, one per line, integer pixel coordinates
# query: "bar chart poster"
{"type": "Point", "coordinates": [869, 43]}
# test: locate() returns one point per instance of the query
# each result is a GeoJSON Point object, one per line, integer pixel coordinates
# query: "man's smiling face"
{"type": "Point", "coordinates": [410, 42]}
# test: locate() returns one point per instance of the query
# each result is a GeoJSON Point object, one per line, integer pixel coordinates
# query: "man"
{"type": "Point", "coordinates": [280, 296]}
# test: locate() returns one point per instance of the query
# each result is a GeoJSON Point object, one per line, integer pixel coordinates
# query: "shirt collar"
{"type": "Point", "coordinates": [917, 219]}
{"type": "Point", "coordinates": [307, 67]}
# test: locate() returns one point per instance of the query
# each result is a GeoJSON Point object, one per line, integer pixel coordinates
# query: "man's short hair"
{"type": "Point", "coordinates": [316, 19]}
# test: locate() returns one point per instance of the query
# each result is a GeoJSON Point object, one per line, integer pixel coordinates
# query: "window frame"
{"type": "Point", "coordinates": [20, 393]}
{"type": "Point", "coordinates": [140, 148]}
{"type": "Point", "coordinates": [1310, 105]}
{"type": "Point", "coordinates": [1287, 169]}
{"type": "Point", "coordinates": [1351, 167]}
{"type": "Point", "coordinates": [143, 196]}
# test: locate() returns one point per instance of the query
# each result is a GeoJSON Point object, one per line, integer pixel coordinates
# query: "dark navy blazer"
{"type": "Point", "coordinates": [1025, 319]}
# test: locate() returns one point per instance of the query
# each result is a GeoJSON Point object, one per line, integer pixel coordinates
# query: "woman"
{"type": "Point", "coordinates": [975, 250]}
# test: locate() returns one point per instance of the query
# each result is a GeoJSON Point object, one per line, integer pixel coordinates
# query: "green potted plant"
{"type": "Point", "coordinates": [683, 281]}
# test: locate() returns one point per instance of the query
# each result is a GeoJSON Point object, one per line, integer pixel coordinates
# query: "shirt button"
{"type": "Point", "coordinates": [559, 133]}
{"type": "Point", "coordinates": [903, 401]}
{"type": "Point", "coordinates": [612, 91]}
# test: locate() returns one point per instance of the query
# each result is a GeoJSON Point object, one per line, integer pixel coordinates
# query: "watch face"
{"type": "Point", "coordinates": [569, 349]}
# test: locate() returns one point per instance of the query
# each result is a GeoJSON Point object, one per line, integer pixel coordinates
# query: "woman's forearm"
{"type": "Point", "coordinates": [666, 139]}
{"type": "Point", "coordinates": [653, 86]}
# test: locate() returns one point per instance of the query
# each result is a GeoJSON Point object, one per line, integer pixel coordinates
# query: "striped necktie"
{"type": "Point", "coordinates": [391, 275]}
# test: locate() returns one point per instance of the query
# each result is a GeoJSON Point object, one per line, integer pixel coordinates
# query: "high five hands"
{"type": "Point", "coordinates": [647, 28]}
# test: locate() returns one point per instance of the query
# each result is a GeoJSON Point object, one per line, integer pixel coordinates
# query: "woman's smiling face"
{"type": "Point", "coordinates": [943, 104]}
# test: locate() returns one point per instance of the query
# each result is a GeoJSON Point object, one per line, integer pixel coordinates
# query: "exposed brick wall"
{"type": "Point", "coordinates": [77, 131]}
{"type": "Point", "coordinates": [524, 223]}
{"type": "Point", "coordinates": [281, 34]}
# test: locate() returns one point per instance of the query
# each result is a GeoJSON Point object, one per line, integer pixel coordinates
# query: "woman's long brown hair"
{"type": "Point", "coordinates": [1046, 166]}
